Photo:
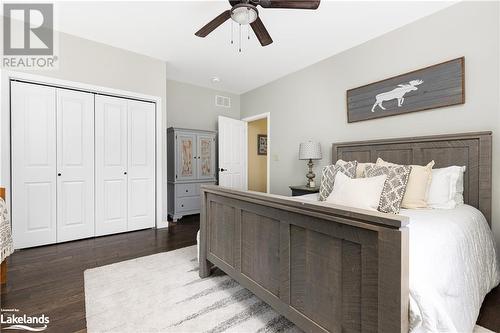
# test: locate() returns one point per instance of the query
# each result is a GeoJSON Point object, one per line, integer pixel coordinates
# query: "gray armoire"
{"type": "Point", "coordinates": [191, 163]}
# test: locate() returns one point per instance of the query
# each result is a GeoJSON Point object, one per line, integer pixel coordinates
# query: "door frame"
{"type": "Point", "coordinates": [266, 115]}
{"type": "Point", "coordinates": [160, 136]}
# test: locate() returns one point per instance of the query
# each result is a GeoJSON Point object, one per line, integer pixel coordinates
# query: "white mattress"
{"type": "Point", "coordinates": [453, 266]}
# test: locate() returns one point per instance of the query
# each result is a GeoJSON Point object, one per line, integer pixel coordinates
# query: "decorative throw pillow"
{"type": "Point", "coordinates": [360, 169]}
{"type": "Point", "coordinates": [418, 185]}
{"type": "Point", "coordinates": [328, 176]}
{"type": "Point", "coordinates": [361, 193]}
{"type": "Point", "coordinates": [447, 187]}
{"type": "Point", "coordinates": [394, 187]}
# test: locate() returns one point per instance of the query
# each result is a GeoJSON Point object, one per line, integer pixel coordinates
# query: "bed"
{"type": "Point", "coordinates": [330, 268]}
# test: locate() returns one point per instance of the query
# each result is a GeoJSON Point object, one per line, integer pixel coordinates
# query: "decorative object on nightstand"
{"type": "Point", "coordinates": [310, 151]}
{"type": "Point", "coordinates": [303, 189]}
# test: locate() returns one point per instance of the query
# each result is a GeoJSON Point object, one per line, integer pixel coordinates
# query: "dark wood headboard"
{"type": "Point", "coordinates": [470, 149]}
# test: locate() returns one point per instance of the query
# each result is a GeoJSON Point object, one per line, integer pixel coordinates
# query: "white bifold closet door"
{"type": "Point", "coordinates": [141, 165]}
{"type": "Point", "coordinates": [125, 160]}
{"type": "Point", "coordinates": [52, 164]}
{"type": "Point", "coordinates": [75, 165]}
{"type": "Point", "coordinates": [33, 128]}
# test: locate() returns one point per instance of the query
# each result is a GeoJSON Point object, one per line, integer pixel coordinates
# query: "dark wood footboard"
{"type": "Point", "coordinates": [326, 268]}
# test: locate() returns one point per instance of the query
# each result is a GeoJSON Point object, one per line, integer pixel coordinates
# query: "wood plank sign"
{"type": "Point", "coordinates": [428, 88]}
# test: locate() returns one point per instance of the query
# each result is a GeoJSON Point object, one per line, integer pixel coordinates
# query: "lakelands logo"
{"type": "Point", "coordinates": [23, 322]}
{"type": "Point", "coordinates": [28, 36]}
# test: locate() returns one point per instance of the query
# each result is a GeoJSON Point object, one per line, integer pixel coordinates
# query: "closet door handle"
{"type": "Point", "coordinates": [59, 174]}
{"type": "Point", "coordinates": [125, 173]}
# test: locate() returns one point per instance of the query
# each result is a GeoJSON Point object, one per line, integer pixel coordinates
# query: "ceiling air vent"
{"type": "Point", "coordinates": [222, 101]}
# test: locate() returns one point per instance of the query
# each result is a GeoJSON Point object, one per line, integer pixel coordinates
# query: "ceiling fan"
{"type": "Point", "coordinates": [245, 12]}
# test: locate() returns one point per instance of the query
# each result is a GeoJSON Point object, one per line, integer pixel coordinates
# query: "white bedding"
{"type": "Point", "coordinates": [453, 265]}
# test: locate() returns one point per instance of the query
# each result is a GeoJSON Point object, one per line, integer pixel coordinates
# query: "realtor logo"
{"type": "Point", "coordinates": [10, 319]}
{"type": "Point", "coordinates": [28, 35]}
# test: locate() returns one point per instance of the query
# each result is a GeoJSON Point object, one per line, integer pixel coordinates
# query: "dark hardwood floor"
{"type": "Point", "coordinates": [49, 280]}
{"type": "Point", "coordinates": [489, 316]}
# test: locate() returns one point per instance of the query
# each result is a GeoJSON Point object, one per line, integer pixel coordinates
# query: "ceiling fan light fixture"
{"type": "Point", "coordinates": [244, 14]}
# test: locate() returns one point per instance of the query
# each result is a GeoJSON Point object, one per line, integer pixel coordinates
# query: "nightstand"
{"type": "Point", "coordinates": [303, 189]}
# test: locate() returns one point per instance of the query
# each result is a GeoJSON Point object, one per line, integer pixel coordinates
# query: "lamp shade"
{"type": "Point", "coordinates": [310, 151]}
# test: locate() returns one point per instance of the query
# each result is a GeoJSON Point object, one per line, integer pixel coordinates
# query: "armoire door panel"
{"type": "Point", "coordinates": [75, 165]}
{"type": "Point", "coordinates": [206, 156]}
{"type": "Point", "coordinates": [186, 162]}
{"type": "Point", "coordinates": [33, 147]}
{"type": "Point", "coordinates": [110, 164]}
{"type": "Point", "coordinates": [141, 165]}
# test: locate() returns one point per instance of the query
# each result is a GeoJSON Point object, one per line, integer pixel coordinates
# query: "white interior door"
{"type": "Point", "coordinates": [33, 128]}
{"type": "Point", "coordinates": [75, 165]}
{"type": "Point", "coordinates": [232, 153]}
{"type": "Point", "coordinates": [110, 165]}
{"type": "Point", "coordinates": [141, 165]}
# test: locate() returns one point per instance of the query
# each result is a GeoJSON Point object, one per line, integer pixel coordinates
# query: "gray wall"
{"type": "Point", "coordinates": [191, 106]}
{"type": "Point", "coordinates": [310, 104]}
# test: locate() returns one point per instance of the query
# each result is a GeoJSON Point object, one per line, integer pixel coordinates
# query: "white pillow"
{"type": "Point", "coordinates": [361, 193]}
{"type": "Point", "coordinates": [447, 188]}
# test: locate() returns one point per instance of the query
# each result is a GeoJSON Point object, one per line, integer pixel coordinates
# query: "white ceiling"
{"type": "Point", "coordinates": [165, 30]}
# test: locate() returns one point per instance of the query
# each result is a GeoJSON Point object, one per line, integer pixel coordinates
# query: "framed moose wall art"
{"type": "Point", "coordinates": [428, 88]}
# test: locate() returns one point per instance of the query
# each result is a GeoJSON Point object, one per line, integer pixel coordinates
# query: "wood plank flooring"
{"type": "Point", "coordinates": [49, 280]}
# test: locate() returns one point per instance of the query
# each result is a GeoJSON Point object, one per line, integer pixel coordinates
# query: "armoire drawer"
{"type": "Point", "coordinates": [187, 190]}
{"type": "Point", "coordinates": [188, 203]}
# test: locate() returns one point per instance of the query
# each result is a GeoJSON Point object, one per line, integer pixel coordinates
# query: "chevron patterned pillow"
{"type": "Point", "coordinates": [328, 176]}
{"type": "Point", "coordinates": [394, 187]}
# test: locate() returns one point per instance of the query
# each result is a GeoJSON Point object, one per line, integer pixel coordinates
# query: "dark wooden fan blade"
{"type": "Point", "coordinates": [212, 25]}
{"type": "Point", "coordinates": [261, 32]}
{"type": "Point", "coordinates": [292, 4]}
{"type": "Point", "coordinates": [234, 2]}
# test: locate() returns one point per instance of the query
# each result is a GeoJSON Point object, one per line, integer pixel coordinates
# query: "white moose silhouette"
{"type": "Point", "coordinates": [396, 93]}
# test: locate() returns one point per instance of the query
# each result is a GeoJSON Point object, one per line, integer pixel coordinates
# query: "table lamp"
{"type": "Point", "coordinates": [310, 151]}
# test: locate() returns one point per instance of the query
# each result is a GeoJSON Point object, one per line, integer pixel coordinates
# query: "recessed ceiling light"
{"type": "Point", "coordinates": [215, 79]}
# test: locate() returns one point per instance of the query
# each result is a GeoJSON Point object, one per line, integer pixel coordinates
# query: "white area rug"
{"type": "Point", "coordinates": [163, 293]}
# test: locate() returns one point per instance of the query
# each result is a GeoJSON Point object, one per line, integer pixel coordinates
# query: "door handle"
{"type": "Point", "coordinates": [125, 173]}
{"type": "Point", "coordinates": [59, 174]}
{"type": "Point", "coordinates": [222, 169]}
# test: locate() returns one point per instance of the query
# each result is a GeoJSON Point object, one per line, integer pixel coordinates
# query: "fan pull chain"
{"type": "Point", "coordinates": [248, 25]}
{"type": "Point", "coordinates": [232, 39]}
{"type": "Point", "coordinates": [240, 39]}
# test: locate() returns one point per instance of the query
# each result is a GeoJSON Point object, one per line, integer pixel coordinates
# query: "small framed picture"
{"type": "Point", "coordinates": [261, 144]}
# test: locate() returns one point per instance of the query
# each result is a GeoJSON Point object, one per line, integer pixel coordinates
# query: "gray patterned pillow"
{"type": "Point", "coordinates": [328, 176]}
{"type": "Point", "coordinates": [394, 187]}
